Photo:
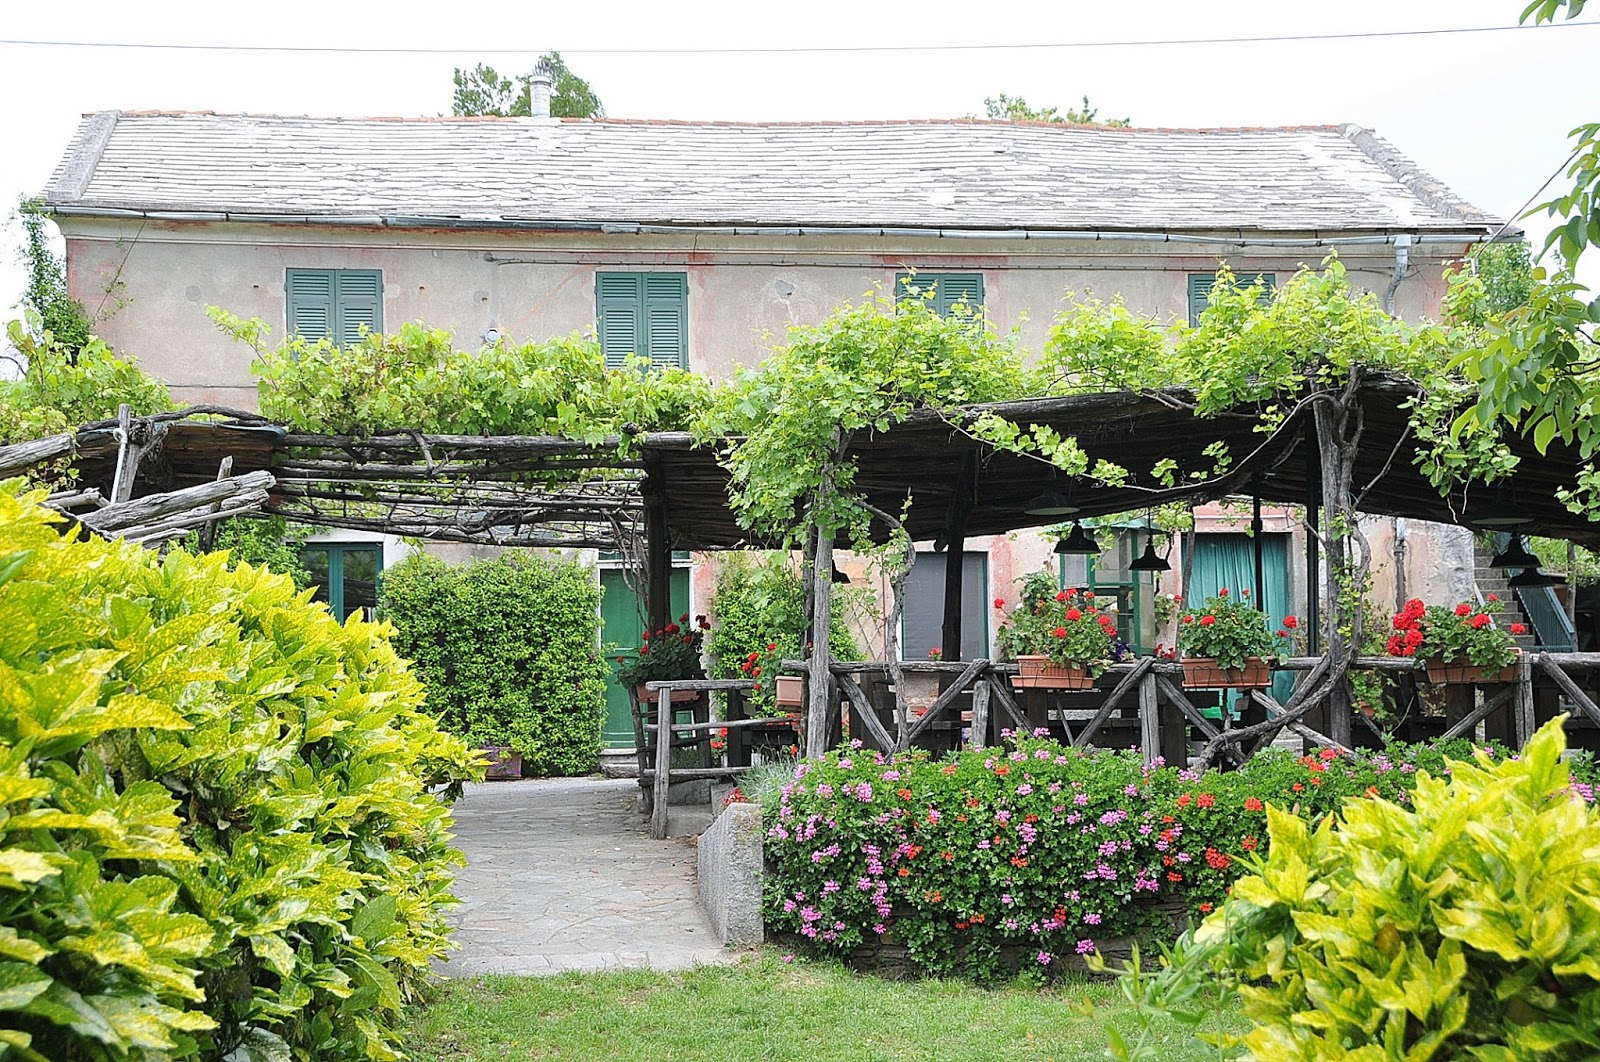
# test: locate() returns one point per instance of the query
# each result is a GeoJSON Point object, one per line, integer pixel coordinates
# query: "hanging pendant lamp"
{"type": "Point", "coordinates": [1050, 504]}
{"type": "Point", "coordinates": [1079, 541]}
{"type": "Point", "coordinates": [1148, 561]}
{"type": "Point", "coordinates": [1515, 555]}
{"type": "Point", "coordinates": [1531, 578]}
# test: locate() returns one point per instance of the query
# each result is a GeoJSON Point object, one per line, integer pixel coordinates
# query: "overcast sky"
{"type": "Point", "coordinates": [1487, 113]}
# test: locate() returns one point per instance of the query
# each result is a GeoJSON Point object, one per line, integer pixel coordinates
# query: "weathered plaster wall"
{"type": "Point", "coordinates": [743, 292]}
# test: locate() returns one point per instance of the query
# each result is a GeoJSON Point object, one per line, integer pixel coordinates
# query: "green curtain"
{"type": "Point", "coordinates": [1229, 560]}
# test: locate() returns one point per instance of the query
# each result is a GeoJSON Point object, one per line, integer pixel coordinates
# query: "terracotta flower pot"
{"type": "Point", "coordinates": [790, 690]}
{"type": "Point", "coordinates": [1039, 672]}
{"type": "Point", "coordinates": [644, 696]}
{"type": "Point", "coordinates": [1202, 673]}
{"type": "Point", "coordinates": [1460, 671]}
{"type": "Point", "coordinates": [504, 763]}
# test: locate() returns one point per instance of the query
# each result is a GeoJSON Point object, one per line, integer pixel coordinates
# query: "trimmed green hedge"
{"type": "Point", "coordinates": [216, 832]}
{"type": "Point", "coordinates": [509, 652]}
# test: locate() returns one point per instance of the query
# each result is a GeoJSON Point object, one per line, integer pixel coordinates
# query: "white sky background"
{"type": "Point", "coordinates": [1486, 113]}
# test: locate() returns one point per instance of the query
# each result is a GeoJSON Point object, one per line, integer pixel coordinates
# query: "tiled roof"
{"type": "Point", "coordinates": [938, 174]}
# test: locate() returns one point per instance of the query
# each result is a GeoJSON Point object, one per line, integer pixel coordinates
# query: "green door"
{"type": "Point", "coordinates": [619, 610]}
{"type": "Point", "coordinates": [1229, 560]}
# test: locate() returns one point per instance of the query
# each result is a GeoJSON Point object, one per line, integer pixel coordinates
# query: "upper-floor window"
{"type": "Point", "coordinates": [334, 304]}
{"type": "Point", "coordinates": [1200, 285]}
{"type": "Point", "coordinates": [948, 289]}
{"type": "Point", "coordinates": [645, 314]}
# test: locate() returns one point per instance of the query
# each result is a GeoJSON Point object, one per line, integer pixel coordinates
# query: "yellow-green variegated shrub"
{"type": "Point", "coordinates": [1466, 926]}
{"type": "Point", "coordinates": [217, 837]}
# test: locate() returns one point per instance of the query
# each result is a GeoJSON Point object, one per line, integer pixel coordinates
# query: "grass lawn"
{"type": "Point", "coordinates": [764, 1009]}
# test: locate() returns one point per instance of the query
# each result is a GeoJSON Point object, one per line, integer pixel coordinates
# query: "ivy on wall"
{"type": "Point", "coordinates": [508, 651]}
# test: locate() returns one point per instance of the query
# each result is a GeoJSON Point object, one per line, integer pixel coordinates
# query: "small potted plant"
{"type": "Point", "coordinates": [673, 652]}
{"type": "Point", "coordinates": [1457, 645]}
{"type": "Point", "coordinates": [1227, 644]}
{"type": "Point", "coordinates": [1062, 638]}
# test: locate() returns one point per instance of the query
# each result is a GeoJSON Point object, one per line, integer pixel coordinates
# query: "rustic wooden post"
{"type": "Point", "coordinates": [1149, 719]}
{"type": "Point", "coordinates": [978, 735]}
{"type": "Point", "coordinates": [658, 806]}
{"type": "Point", "coordinates": [658, 556]}
{"type": "Point", "coordinates": [208, 531]}
{"type": "Point", "coordinates": [955, 532]}
{"type": "Point", "coordinates": [821, 676]}
{"type": "Point", "coordinates": [1522, 707]}
{"type": "Point", "coordinates": [129, 454]}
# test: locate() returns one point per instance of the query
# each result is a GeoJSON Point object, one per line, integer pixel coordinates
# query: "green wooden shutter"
{"type": "Point", "coordinates": [948, 289]}
{"type": "Point", "coordinates": [959, 287]}
{"type": "Point", "coordinates": [1200, 285]}
{"type": "Point", "coordinates": [645, 314]}
{"type": "Point", "coordinates": [359, 303]}
{"type": "Point", "coordinates": [619, 308]}
{"type": "Point", "coordinates": [310, 303]}
{"type": "Point", "coordinates": [666, 301]}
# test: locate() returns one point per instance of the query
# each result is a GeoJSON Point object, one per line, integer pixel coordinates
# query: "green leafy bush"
{"type": "Point", "coordinates": [415, 380]}
{"type": "Point", "coordinates": [216, 835]}
{"type": "Point", "coordinates": [271, 543]}
{"type": "Point", "coordinates": [1464, 924]}
{"type": "Point", "coordinates": [65, 387]}
{"type": "Point", "coordinates": [509, 652]}
{"type": "Point", "coordinates": [1040, 850]}
{"type": "Point", "coordinates": [762, 602]}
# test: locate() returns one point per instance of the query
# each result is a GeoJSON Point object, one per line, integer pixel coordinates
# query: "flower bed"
{"type": "Point", "coordinates": [1040, 853]}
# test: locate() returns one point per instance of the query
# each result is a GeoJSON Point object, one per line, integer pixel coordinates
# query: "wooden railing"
{"type": "Point", "coordinates": [1166, 710]}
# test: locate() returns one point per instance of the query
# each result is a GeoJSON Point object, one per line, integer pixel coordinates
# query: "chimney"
{"type": "Point", "coordinates": [539, 89]}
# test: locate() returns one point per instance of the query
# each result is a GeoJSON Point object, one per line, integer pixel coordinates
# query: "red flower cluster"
{"type": "Point", "coordinates": [1408, 628]}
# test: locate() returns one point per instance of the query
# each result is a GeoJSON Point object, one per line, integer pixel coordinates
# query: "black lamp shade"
{"type": "Point", "coordinates": [1079, 541]}
{"type": "Point", "coordinates": [1515, 555]}
{"type": "Point", "coordinates": [1530, 578]}
{"type": "Point", "coordinates": [1051, 504]}
{"type": "Point", "coordinates": [1148, 561]}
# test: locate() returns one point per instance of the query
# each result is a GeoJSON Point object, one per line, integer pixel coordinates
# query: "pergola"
{"type": "Point", "coordinates": [649, 493]}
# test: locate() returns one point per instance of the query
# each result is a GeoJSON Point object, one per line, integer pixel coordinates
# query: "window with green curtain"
{"type": "Point", "coordinates": [1200, 285]}
{"type": "Point", "coordinates": [334, 304]}
{"type": "Point", "coordinates": [645, 314]}
{"type": "Point", "coordinates": [1229, 560]}
{"type": "Point", "coordinates": [948, 290]}
{"type": "Point", "coordinates": [346, 575]}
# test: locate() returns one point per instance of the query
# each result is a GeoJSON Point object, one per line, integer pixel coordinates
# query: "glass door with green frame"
{"type": "Point", "coordinates": [346, 575]}
{"type": "Point", "coordinates": [620, 610]}
{"type": "Point", "coordinates": [1107, 575]}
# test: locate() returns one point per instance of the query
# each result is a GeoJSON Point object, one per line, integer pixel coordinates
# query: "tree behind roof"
{"type": "Point", "coordinates": [484, 91]}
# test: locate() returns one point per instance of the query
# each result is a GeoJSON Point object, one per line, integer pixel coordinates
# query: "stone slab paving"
{"type": "Point", "coordinates": [562, 874]}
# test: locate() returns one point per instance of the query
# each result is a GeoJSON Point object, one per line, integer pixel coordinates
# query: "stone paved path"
{"type": "Point", "coordinates": [562, 875]}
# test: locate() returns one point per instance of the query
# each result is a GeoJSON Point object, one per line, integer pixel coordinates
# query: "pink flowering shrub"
{"type": "Point", "coordinates": [1038, 849]}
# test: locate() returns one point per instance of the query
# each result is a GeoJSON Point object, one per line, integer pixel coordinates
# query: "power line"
{"type": "Point", "coordinates": [799, 50]}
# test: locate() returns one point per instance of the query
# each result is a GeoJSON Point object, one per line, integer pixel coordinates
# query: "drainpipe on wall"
{"type": "Point", "coordinates": [1400, 588]}
{"type": "Point", "coordinates": [1402, 259]}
